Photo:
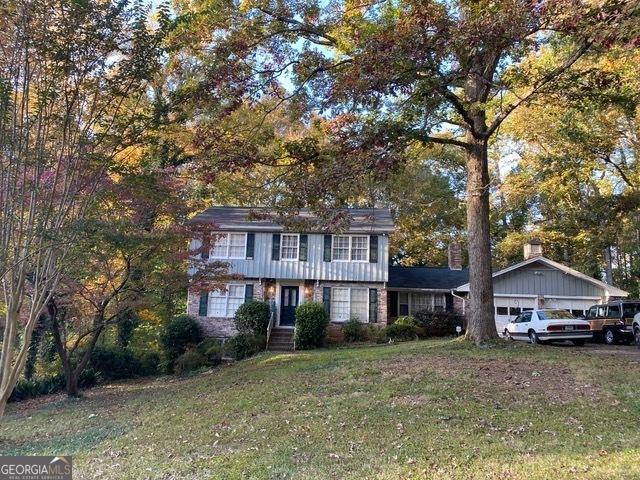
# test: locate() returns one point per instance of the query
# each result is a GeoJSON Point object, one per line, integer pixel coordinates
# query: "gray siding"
{"type": "Point", "coordinates": [314, 268]}
{"type": "Point", "coordinates": [538, 279]}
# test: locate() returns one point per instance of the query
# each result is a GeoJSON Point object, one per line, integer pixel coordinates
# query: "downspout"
{"type": "Point", "coordinates": [464, 301]}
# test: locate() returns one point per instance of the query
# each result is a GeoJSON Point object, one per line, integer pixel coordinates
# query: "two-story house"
{"type": "Point", "coordinates": [345, 270]}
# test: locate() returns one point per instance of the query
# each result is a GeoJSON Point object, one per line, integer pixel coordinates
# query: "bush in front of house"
{"type": "Point", "coordinates": [438, 324]}
{"type": "Point", "coordinates": [353, 331]}
{"type": "Point", "coordinates": [377, 334]}
{"type": "Point", "coordinates": [148, 364]}
{"type": "Point", "coordinates": [177, 335]}
{"type": "Point", "coordinates": [211, 348]}
{"type": "Point", "coordinates": [311, 325]}
{"type": "Point", "coordinates": [404, 328]}
{"type": "Point", "coordinates": [244, 345]}
{"type": "Point", "coordinates": [252, 317]}
{"type": "Point", "coordinates": [189, 361]}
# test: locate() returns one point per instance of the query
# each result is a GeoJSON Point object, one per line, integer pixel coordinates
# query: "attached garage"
{"type": "Point", "coordinates": [538, 282]}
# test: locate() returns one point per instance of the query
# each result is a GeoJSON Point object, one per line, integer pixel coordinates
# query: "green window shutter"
{"type": "Point", "coordinates": [251, 242]}
{"type": "Point", "coordinates": [327, 248]}
{"type": "Point", "coordinates": [206, 246]}
{"type": "Point", "coordinates": [326, 299]}
{"type": "Point", "coordinates": [304, 241]}
{"type": "Point", "coordinates": [373, 305]}
{"type": "Point", "coordinates": [275, 247]}
{"type": "Point", "coordinates": [373, 249]}
{"type": "Point", "coordinates": [204, 304]}
{"type": "Point", "coordinates": [248, 292]}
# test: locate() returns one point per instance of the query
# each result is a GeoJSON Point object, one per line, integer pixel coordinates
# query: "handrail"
{"type": "Point", "coordinates": [294, 337]}
{"type": "Point", "coordinates": [270, 328]}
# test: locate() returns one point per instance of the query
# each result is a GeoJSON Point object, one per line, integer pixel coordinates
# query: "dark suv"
{"type": "Point", "coordinates": [613, 322]}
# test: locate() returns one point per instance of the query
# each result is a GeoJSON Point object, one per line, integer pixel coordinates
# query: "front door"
{"type": "Point", "coordinates": [288, 303]}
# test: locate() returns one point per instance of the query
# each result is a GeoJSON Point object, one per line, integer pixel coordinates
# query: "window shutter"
{"type": "Point", "coordinates": [373, 305]}
{"type": "Point", "coordinates": [204, 304]}
{"type": "Point", "coordinates": [206, 246]}
{"type": "Point", "coordinates": [373, 249]}
{"type": "Point", "coordinates": [275, 247]}
{"type": "Point", "coordinates": [327, 248]}
{"type": "Point", "coordinates": [248, 292]}
{"type": "Point", "coordinates": [304, 241]}
{"type": "Point", "coordinates": [326, 299]}
{"type": "Point", "coordinates": [251, 242]}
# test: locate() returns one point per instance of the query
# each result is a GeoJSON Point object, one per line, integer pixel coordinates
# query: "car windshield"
{"type": "Point", "coordinates": [554, 315]}
{"type": "Point", "coordinates": [630, 309]}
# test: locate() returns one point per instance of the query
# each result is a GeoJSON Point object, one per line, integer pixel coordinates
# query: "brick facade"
{"type": "Point", "coordinates": [220, 327]}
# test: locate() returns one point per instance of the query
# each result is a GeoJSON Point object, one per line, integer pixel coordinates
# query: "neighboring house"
{"type": "Point", "coordinates": [347, 271]}
{"type": "Point", "coordinates": [538, 282]}
{"type": "Point", "coordinates": [411, 289]}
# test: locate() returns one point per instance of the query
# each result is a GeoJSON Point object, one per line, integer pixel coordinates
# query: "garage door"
{"type": "Point", "coordinates": [508, 308]}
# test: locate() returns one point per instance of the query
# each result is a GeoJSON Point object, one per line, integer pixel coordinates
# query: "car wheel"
{"type": "Point", "coordinates": [636, 336]}
{"type": "Point", "coordinates": [533, 337]}
{"type": "Point", "coordinates": [610, 337]}
{"type": "Point", "coordinates": [508, 336]}
{"type": "Point", "coordinates": [578, 343]}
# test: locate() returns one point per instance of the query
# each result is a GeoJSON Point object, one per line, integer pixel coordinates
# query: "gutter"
{"type": "Point", "coordinates": [464, 301]}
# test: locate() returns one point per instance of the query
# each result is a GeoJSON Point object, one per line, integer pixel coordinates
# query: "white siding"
{"type": "Point", "coordinates": [262, 266]}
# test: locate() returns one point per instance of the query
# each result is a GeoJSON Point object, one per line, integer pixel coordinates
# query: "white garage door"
{"type": "Point", "coordinates": [508, 308]}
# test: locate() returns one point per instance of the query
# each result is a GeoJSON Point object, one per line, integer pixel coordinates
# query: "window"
{"type": "Point", "coordinates": [593, 311]}
{"type": "Point", "coordinates": [340, 248]}
{"type": "Point", "coordinates": [578, 313]}
{"type": "Point", "coordinates": [359, 249]}
{"type": "Point", "coordinates": [630, 309]}
{"type": "Point", "coordinates": [524, 318]}
{"type": "Point", "coordinates": [225, 303]}
{"type": "Point", "coordinates": [230, 245]}
{"type": "Point", "coordinates": [349, 303]}
{"type": "Point", "coordinates": [403, 303]}
{"type": "Point", "coordinates": [289, 243]}
{"type": "Point", "coordinates": [614, 311]}
{"type": "Point", "coordinates": [353, 248]}
{"type": "Point", "coordinates": [502, 310]}
{"type": "Point", "coordinates": [420, 301]}
{"type": "Point", "coordinates": [439, 302]}
{"type": "Point", "coordinates": [601, 311]}
{"type": "Point", "coordinates": [515, 310]}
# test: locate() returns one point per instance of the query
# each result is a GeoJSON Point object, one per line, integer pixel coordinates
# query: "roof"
{"type": "Point", "coordinates": [360, 220]}
{"type": "Point", "coordinates": [610, 290]}
{"type": "Point", "coordinates": [426, 278]}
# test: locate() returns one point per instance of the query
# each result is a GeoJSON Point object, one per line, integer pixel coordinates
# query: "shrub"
{"type": "Point", "coordinates": [377, 334]}
{"type": "Point", "coordinates": [189, 361]}
{"type": "Point", "coordinates": [438, 324]}
{"type": "Point", "coordinates": [47, 385]}
{"type": "Point", "coordinates": [114, 362]}
{"type": "Point", "coordinates": [406, 320]}
{"type": "Point", "coordinates": [148, 364]}
{"type": "Point", "coordinates": [211, 349]}
{"type": "Point", "coordinates": [400, 331]}
{"type": "Point", "coordinates": [311, 325]}
{"type": "Point", "coordinates": [177, 335]}
{"type": "Point", "coordinates": [253, 317]}
{"type": "Point", "coordinates": [353, 331]}
{"type": "Point", "coordinates": [244, 345]}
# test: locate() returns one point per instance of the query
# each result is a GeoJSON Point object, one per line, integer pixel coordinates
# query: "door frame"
{"type": "Point", "coordinates": [285, 283]}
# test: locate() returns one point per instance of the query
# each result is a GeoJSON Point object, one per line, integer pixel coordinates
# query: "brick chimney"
{"type": "Point", "coordinates": [533, 248]}
{"type": "Point", "coordinates": [455, 256]}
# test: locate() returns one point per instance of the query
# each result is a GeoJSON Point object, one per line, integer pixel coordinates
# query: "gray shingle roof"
{"type": "Point", "coordinates": [432, 278]}
{"type": "Point", "coordinates": [361, 220]}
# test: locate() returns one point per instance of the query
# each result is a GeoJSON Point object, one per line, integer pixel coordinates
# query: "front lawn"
{"type": "Point", "coordinates": [431, 409]}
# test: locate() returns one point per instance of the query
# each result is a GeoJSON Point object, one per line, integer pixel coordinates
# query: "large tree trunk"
{"type": "Point", "coordinates": [480, 321]}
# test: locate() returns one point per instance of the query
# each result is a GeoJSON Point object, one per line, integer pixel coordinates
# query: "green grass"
{"type": "Point", "coordinates": [431, 409]}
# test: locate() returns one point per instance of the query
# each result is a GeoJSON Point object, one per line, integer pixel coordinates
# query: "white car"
{"type": "Point", "coordinates": [548, 325]}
